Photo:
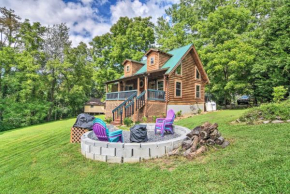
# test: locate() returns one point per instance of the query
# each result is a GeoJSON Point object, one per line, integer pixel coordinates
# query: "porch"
{"type": "Point", "coordinates": [135, 96]}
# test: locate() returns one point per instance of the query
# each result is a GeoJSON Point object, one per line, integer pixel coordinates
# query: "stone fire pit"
{"type": "Point", "coordinates": [132, 152]}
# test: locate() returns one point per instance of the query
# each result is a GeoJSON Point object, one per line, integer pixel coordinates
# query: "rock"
{"type": "Point", "coordinates": [225, 144]}
{"type": "Point", "coordinates": [288, 121]}
{"type": "Point", "coordinates": [238, 121]}
{"type": "Point", "coordinates": [277, 121]}
{"type": "Point", "coordinates": [278, 118]}
{"type": "Point", "coordinates": [261, 118]}
{"type": "Point", "coordinates": [266, 122]}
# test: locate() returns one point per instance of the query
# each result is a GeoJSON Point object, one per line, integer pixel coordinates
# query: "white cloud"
{"type": "Point", "coordinates": [80, 18]}
{"type": "Point", "coordinates": [153, 8]}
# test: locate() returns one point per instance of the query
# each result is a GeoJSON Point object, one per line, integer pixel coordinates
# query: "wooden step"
{"type": "Point", "coordinates": [116, 122]}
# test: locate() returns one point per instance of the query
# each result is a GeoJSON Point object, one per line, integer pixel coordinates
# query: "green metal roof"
{"type": "Point", "coordinates": [177, 54]}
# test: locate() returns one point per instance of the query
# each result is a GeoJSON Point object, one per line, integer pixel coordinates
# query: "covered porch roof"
{"type": "Point", "coordinates": [148, 73]}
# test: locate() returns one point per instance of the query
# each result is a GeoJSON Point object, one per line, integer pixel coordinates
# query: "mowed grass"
{"type": "Point", "coordinates": [40, 159]}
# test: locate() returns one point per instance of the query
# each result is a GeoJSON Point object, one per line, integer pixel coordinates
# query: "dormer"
{"type": "Point", "coordinates": [156, 59]}
{"type": "Point", "coordinates": [131, 67]}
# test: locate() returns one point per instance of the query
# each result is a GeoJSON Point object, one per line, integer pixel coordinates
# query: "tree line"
{"type": "Point", "coordinates": [244, 46]}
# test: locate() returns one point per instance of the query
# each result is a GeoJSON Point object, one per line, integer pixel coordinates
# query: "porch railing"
{"type": "Point", "coordinates": [120, 95]}
{"type": "Point", "coordinates": [118, 111]}
{"type": "Point", "coordinates": [156, 95]}
{"type": "Point", "coordinates": [140, 100]}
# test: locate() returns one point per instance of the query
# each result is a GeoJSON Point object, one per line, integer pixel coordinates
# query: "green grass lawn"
{"type": "Point", "coordinates": [40, 159]}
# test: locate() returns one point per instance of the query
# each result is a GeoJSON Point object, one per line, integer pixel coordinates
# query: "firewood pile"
{"type": "Point", "coordinates": [199, 139]}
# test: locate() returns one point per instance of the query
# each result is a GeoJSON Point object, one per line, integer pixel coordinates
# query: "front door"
{"type": "Point", "coordinates": [152, 85]}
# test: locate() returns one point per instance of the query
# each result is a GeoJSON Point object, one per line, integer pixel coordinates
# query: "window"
{"type": "Point", "coordinates": [141, 83]}
{"type": "Point", "coordinates": [152, 60]}
{"type": "Point", "coordinates": [178, 70]}
{"type": "Point", "coordinates": [197, 74]}
{"type": "Point", "coordinates": [128, 68]}
{"type": "Point", "coordinates": [160, 85]}
{"type": "Point", "coordinates": [129, 87]}
{"type": "Point", "coordinates": [197, 91]}
{"type": "Point", "coordinates": [178, 89]}
{"type": "Point", "coordinates": [92, 106]}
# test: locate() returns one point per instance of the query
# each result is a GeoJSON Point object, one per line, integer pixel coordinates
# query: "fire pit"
{"type": "Point", "coordinates": [156, 146]}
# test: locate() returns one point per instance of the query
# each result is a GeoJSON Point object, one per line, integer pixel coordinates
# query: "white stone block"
{"type": "Point", "coordinates": [108, 151]}
{"type": "Point", "coordinates": [95, 150]}
{"type": "Point", "coordinates": [142, 153]}
{"type": "Point", "coordinates": [149, 145]}
{"type": "Point", "coordinates": [158, 152]}
{"type": "Point", "coordinates": [114, 159]}
{"type": "Point", "coordinates": [131, 160]}
{"type": "Point", "coordinates": [120, 152]}
{"type": "Point", "coordinates": [101, 144]}
{"type": "Point", "coordinates": [115, 145]}
{"type": "Point", "coordinates": [90, 155]}
{"type": "Point", "coordinates": [101, 158]}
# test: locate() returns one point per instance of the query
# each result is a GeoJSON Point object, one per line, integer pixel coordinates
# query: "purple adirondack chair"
{"type": "Point", "coordinates": [165, 124]}
{"type": "Point", "coordinates": [104, 134]}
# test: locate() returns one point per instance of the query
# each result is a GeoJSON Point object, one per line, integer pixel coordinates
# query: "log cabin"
{"type": "Point", "coordinates": [164, 80]}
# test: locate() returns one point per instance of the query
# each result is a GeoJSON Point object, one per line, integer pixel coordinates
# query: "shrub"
{"type": "Point", "coordinates": [144, 119]}
{"type": "Point", "coordinates": [137, 122]}
{"type": "Point", "coordinates": [268, 111]}
{"type": "Point", "coordinates": [163, 115]}
{"type": "Point", "coordinates": [128, 121]}
{"type": "Point", "coordinates": [199, 111]}
{"type": "Point", "coordinates": [108, 119]}
{"type": "Point", "coordinates": [154, 118]}
{"type": "Point", "coordinates": [179, 113]}
{"type": "Point", "coordinates": [279, 93]}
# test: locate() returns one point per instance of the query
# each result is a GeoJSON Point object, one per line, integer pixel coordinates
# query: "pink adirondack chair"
{"type": "Point", "coordinates": [165, 124]}
{"type": "Point", "coordinates": [104, 134]}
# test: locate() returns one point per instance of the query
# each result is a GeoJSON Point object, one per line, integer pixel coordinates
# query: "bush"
{"type": "Point", "coordinates": [268, 111]}
{"type": "Point", "coordinates": [144, 119]}
{"type": "Point", "coordinates": [137, 122]}
{"type": "Point", "coordinates": [279, 93]}
{"type": "Point", "coordinates": [108, 119]}
{"type": "Point", "coordinates": [163, 115]}
{"type": "Point", "coordinates": [179, 113]}
{"type": "Point", "coordinates": [128, 121]}
{"type": "Point", "coordinates": [154, 118]}
{"type": "Point", "coordinates": [199, 111]}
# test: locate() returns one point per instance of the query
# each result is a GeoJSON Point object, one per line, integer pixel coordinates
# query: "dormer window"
{"type": "Point", "coordinates": [197, 74]}
{"type": "Point", "coordinates": [152, 60]}
{"type": "Point", "coordinates": [178, 70]}
{"type": "Point", "coordinates": [128, 68]}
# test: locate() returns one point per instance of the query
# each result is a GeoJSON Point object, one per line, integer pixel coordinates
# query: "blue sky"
{"type": "Point", "coordinates": [86, 18]}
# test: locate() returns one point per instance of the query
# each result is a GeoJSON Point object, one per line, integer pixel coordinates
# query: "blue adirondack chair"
{"type": "Point", "coordinates": [103, 133]}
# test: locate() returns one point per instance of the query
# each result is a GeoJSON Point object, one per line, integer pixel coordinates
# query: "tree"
{"type": "Point", "coordinates": [9, 25]}
{"type": "Point", "coordinates": [273, 66]}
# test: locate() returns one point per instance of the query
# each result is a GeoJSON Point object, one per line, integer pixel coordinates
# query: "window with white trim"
{"type": "Point", "coordinates": [197, 91]}
{"type": "Point", "coordinates": [128, 68]}
{"type": "Point", "coordinates": [178, 89]}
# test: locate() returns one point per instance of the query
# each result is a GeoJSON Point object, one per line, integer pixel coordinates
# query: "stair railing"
{"type": "Point", "coordinates": [140, 100]}
{"type": "Point", "coordinates": [118, 111]}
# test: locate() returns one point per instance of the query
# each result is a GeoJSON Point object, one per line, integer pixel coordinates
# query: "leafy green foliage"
{"type": "Point", "coordinates": [128, 121]}
{"type": "Point", "coordinates": [279, 93]}
{"type": "Point", "coordinates": [268, 111]}
{"type": "Point", "coordinates": [144, 119]}
{"type": "Point", "coordinates": [179, 113]}
{"type": "Point", "coordinates": [154, 118]}
{"type": "Point", "coordinates": [108, 119]}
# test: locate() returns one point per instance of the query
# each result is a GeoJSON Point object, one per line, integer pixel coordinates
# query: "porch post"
{"type": "Point", "coordinates": [146, 86]}
{"type": "Point", "coordinates": [138, 86]}
{"type": "Point", "coordinates": [146, 94]}
{"type": "Point", "coordinates": [165, 87]}
{"type": "Point", "coordinates": [119, 86]}
{"type": "Point", "coordinates": [107, 90]}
